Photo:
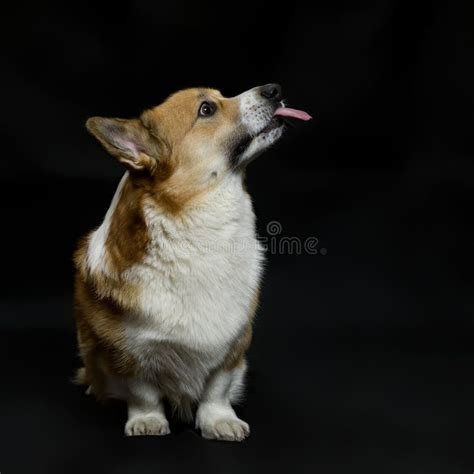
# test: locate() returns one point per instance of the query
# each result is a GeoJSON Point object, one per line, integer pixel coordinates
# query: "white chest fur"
{"type": "Point", "coordinates": [200, 275]}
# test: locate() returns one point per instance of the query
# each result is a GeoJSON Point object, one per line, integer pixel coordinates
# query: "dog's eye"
{"type": "Point", "coordinates": [206, 109]}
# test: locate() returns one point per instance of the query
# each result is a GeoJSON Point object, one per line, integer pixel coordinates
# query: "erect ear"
{"type": "Point", "coordinates": [128, 140]}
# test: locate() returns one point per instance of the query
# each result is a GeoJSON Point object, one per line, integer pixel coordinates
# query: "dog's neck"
{"type": "Point", "coordinates": [137, 223]}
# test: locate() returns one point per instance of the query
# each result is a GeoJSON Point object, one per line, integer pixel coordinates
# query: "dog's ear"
{"type": "Point", "coordinates": [128, 140]}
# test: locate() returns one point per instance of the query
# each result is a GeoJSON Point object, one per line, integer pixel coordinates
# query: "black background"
{"type": "Point", "coordinates": [362, 359]}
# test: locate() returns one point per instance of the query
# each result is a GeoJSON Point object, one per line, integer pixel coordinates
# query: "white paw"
{"type": "Point", "coordinates": [147, 425]}
{"type": "Point", "coordinates": [226, 429]}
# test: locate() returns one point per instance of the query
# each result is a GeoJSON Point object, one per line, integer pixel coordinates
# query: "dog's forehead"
{"type": "Point", "coordinates": [189, 97]}
{"type": "Point", "coordinates": [180, 107]}
{"type": "Point", "coordinates": [184, 102]}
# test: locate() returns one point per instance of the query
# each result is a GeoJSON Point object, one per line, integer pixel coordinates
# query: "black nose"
{"type": "Point", "coordinates": [271, 92]}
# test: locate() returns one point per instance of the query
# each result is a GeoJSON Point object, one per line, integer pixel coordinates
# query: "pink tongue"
{"type": "Point", "coordinates": [294, 113]}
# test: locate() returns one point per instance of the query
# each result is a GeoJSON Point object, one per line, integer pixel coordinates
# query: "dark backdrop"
{"type": "Point", "coordinates": [362, 360]}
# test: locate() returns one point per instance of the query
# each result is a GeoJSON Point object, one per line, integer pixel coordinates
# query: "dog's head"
{"type": "Point", "coordinates": [196, 137]}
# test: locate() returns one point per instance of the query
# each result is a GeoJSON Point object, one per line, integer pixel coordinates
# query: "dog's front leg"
{"type": "Point", "coordinates": [215, 416]}
{"type": "Point", "coordinates": [146, 414]}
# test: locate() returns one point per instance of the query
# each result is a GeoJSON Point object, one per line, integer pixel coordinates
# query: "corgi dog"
{"type": "Point", "coordinates": [167, 286]}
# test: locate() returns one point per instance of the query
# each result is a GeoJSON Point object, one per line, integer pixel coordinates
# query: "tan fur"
{"type": "Point", "coordinates": [128, 237]}
{"type": "Point", "coordinates": [236, 354]}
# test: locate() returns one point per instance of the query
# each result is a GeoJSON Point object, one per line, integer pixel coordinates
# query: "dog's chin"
{"type": "Point", "coordinates": [263, 140]}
